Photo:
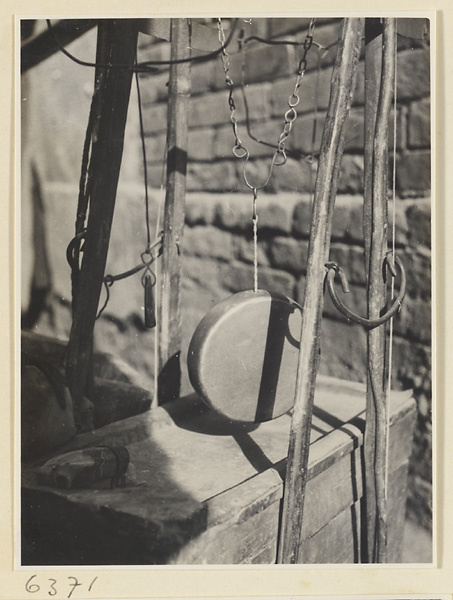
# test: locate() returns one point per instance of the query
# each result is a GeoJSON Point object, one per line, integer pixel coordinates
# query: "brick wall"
{"type": "Point", "coordinates": [217, 245]}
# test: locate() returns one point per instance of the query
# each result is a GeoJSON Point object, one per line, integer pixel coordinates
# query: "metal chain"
{"type": "Point", "coordinates": [239, 150]}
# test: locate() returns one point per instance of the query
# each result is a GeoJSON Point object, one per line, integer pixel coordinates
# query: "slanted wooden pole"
{"type": "Point", "coordinates": [379, 84]}
{"type": "Point", "coordinates": [117, 41]}
{"type": "Point", "coordinates": [342, 87]}
{"type": "Point", "coordinates": [169, 378]}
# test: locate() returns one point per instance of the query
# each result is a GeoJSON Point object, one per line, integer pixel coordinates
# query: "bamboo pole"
{"type": "Point", "coordinates": [342, 87]}
{"type": "Point", "coordinates": [169, 377]}
{"type": "Point", "coordinates": [375, 227]}
{"type": "Point", "coordinates": [117, 40]}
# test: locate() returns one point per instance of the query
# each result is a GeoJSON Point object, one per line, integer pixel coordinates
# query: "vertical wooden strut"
{"type": "Point", "coordinates": [117, 41]}
{"type": "Point", "coordinates": [379, 77]}
{"type": "Point", "coordinates": [169, 378]}
{"type": "Point", "coordinates": [342, 87]}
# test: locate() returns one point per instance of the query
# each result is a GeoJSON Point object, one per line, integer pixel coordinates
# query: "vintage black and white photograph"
{"type": "Point", "coordinates": [225, 298]}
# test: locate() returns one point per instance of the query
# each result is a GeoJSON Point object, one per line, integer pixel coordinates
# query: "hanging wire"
{"type": "Point", "coordinates": [85, 184]}
{"type": "Point", "coordinates": [147, 257]}
{"type": "Point", "coordinates": [255, 241]}
{"type": "Point", "coordinates": [146, 66]}
{"type": "Point", "coordinates": [158, 289]}
{"type": "Point", "coordinates": [312, 156]}
{"type": "Point", "coordinates": [239, 150]}
{"type": "Point", "coordinates": [145, 164]}
{"type": "Point", "coordinates": [314, 130]}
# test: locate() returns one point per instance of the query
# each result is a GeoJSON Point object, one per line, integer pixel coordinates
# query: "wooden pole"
{"type": "Point", "coordinates": [373, 60]}
{"type": "Point", "coordinates": [117, 45]}
{"type": "Point", "coordinates": [169, 378]}
{"type": "Point", "coordinates": [342, 87]}
{"type": "Point", "coordinates": [379, 85]}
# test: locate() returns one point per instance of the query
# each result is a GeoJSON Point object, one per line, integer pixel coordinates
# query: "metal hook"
{"type": "Point", "coordinates": [72, 246]}
{"type": "Point", "coordinates": [334, 269]}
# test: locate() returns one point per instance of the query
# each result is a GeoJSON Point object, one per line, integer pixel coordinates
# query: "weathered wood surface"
{"type": "Point", "coordinates": [117, 43]}
{"type": "Point", "coordinates": [342, 87]}
{"type": "Point", "coordinates": [242, 525]}
{"type": "Point", "coordinates": [373, 60]}
{"type": "Point", "coordinates": [169, 321]}
{"type": "Point", "coordinates": [196, 478]}
{"type": "Point", "coordinates": [338, 542]}
{"type": "Point", "coordinates": [379, 83]}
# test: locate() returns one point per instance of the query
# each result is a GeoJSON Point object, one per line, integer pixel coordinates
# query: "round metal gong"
{"type": "Point", "coordinates": [243, 356]}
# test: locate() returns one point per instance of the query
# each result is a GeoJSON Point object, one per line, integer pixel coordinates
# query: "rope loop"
{"type": "Point", "coordinates": [147, 258]}
{"type": "Point", "coordinates": [278, 162]}
{"type": "Point", "coordinates": [290, 115]}
{"type": "Point", "coordinates": [244, 174]}
{"type": "Point", "coordinates": [74, 247]}
{"type": "Point", "coordinates": [146, 273]}
{"type": "Point", "coordinates": [240, 151]}
{"type": "Point", "coordinates": [293, 100]}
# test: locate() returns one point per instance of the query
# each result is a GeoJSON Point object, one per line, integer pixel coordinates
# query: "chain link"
{"type": "Point", "coordinates": [239, 150]}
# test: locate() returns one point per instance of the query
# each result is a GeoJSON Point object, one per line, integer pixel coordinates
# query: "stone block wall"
{"type": "Point", "coordinates": [217, 246]}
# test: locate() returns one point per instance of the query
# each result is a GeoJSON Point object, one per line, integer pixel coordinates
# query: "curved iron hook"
{"type": "Point", "coordinates": [334, 269]}
{"type": "Point", "coordinates": [71, 248]}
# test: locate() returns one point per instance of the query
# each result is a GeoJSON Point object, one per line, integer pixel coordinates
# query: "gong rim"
{"type": "Point", "coordinates": [260, 331]}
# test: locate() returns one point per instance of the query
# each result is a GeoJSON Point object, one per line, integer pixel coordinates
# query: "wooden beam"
{"type": "Point", "coordinates": [41, 47]}
{"type": "Point", "coordinates": [379, 83]}
{"type": "Point", "coordinates": [169, 377]}
{"type": "Point", "coordinates": [342, 87]}
{"type": "Point", "coordinates": [116, 45]}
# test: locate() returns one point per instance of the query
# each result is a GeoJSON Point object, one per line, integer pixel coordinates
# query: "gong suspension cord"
{"type": "Point", "coordinates": [74, 247]}
{"type": "Point", "coordinates": [85, 182]}
{"type": "Point", "coordinates": [149, 66]}
{"type": "Point", "coordinates": [311, 157]}
{"type": "Point", "coordinates": [158, 287]}
{"type": "Point", "coordinates": [149, 278]}
{"type": "Point", "coordinates": [145, 167]}
{"type": "Point", "coordinates": [322, 51]}
{"type": "Point", "coordinates": [255, 242]}
{"type": "Point", "coordinates": [239, 150]}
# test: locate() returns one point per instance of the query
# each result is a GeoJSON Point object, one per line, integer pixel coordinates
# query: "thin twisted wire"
{"type": "Point", "coordinates": [255, 242]}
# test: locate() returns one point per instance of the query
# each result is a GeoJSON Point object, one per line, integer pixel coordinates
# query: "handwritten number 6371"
{"type": "Point", "coordinates": [32, 587]}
